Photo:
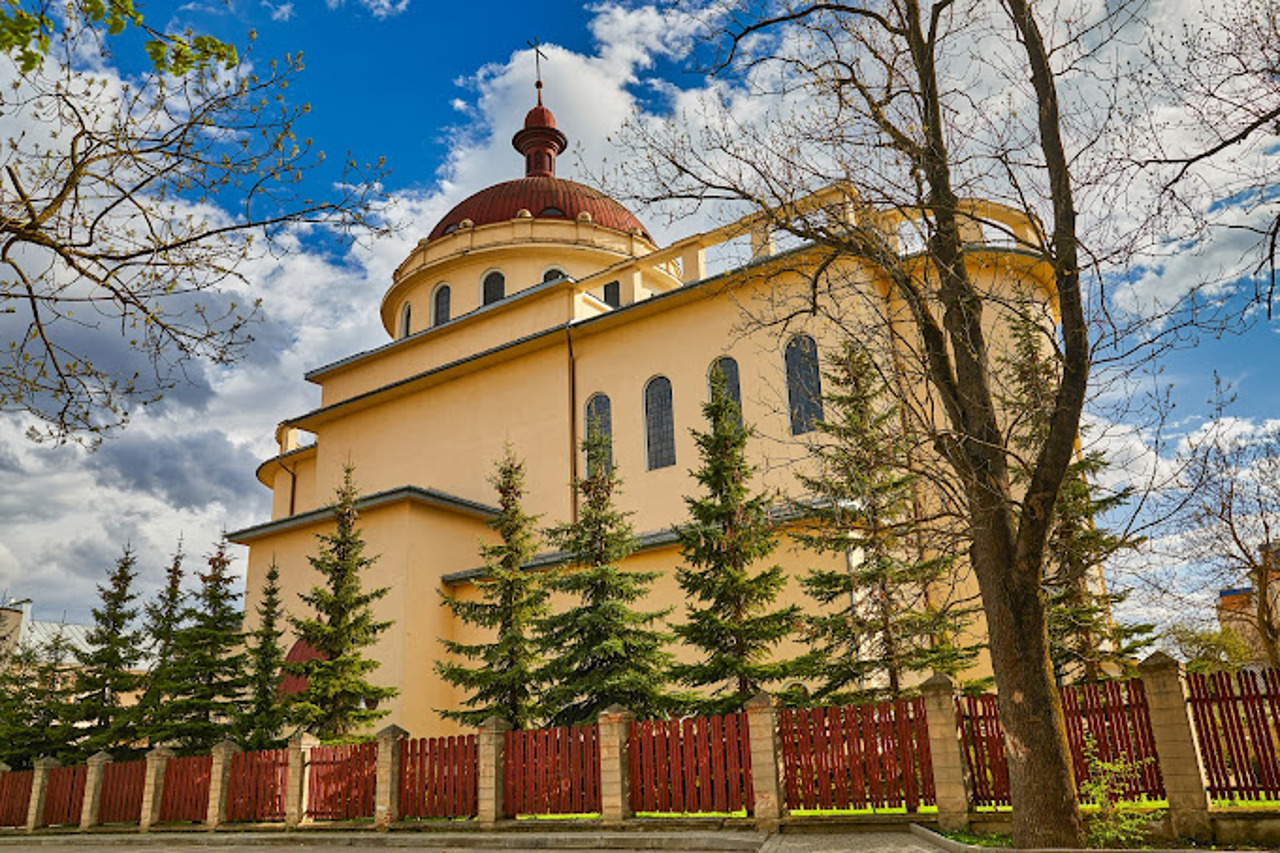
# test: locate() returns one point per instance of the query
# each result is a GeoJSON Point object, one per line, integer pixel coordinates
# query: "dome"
{"type": "Point", "coordinates": [545, 198]}
{"type": "Point", "coordinates": [539, 192]}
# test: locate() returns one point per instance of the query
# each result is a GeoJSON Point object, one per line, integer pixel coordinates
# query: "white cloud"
{"type": "Point", "coordinates": [377, 8]}
{"type": "Point", "coordinates": [279, 11]}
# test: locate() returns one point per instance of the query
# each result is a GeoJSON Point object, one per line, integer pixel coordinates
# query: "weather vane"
{"type": "Point", "coordinates": [538, 56]}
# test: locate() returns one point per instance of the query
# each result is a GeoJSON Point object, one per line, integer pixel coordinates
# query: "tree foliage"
{"type": "Point", "coordinates": [503, 680]}
{"type": "Point", "coordinates": [163, 619]}
{"type": "Point", "coordinates": [37, 703]}
{"type": "Point", "coordinates": [107, 668]}
{"type": "Point", "coordinates": [264, 715]}
{"type": "Point", "coordinates": [892, 613]}
{"type": "Point", "coordinates": [339, 698]}
{"type": "Point", "coordinates": [730, 619]}
{"type": "Point", "coordinates": [599, 651]}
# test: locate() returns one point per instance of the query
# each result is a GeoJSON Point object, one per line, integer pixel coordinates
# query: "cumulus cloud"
{"type": "Point", "coordinates": [377, 8]}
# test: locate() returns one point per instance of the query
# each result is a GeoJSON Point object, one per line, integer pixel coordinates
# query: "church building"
{"type": "Point", "coordinates": [530, 307]}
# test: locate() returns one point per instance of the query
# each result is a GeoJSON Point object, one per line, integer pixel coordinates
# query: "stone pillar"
{"type": "Point", "coordinates": [491, 743]}
{"type": "Point", "coordinates": [693, 264]}
{"type": "Point", "coordinates": [766, 760]}
{"type": "Point", "coordinates": [153, 786]}
{"type": "Point", "coordinates": [387, 791]}
{"type": "Point", "coordinates": [39, 791]}
{"type": "Point", "coordinates": [94, 768]}
{"type": "Point", "coordinates": [220, 783]}
{"type": "Point", "coordinates": [946, 748]}
{"type": "Point", "coordinates": [295, 804]}
{"type": "Point", "coordinates": [1177, 746]}
{"type": "Point", "coordinates": [615, 776]}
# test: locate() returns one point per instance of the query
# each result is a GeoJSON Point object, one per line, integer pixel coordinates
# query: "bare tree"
{"type": "Point", "coordinates": [911, 107]}
{"type": "Point", "coordinates": [128, 210]}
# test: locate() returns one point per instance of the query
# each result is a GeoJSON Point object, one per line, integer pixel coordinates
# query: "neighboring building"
{"type": "Point", "coordinates": [1238, 613]}
{"type": "Point", "coordinates": [531, 305]}
{"type": "Point", "coordinates": [18, 629]}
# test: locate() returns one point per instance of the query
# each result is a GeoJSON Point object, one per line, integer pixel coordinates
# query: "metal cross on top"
{"type": "Point", "coordinates": [538, 56]}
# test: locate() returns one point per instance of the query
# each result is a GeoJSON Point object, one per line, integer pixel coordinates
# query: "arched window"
{"type": "Point", "coordinates": [441, 315]}
{"type": "Point", "coordinates": [406, 320]}
{"type": "Point", "coordinates": [659, 424]}
{"type": "Point", "coordinates": [728, 367]}
{"type": "Point", "coordinates": [553, 274]}
{"type": "Point", "coordinates": [600, 419]}
{"type": "Point", "coordinates": [804, 384]}
{"type": "Point", "coordinates": [495, 288]}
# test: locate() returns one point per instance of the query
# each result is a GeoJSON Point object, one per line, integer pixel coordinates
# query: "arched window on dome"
{"type": "Point", "coordinates": [494, 288]}
{"type": "Point", "coordinates": [599, 417]}
{"type": "Point", "coordinates": [804, 384]}
{"type": "Point", "coordinates": [553, 274]}
{"type": "Point", "coordinates": [406, 320]}
{"type": "Point", "coordinates": [728, 367]}
{"type": "Point", "coordinates": [440, 306]}
{"type": "Point", "coordinates": [551, 211]}
{"type": "Point", "coordinates": [659, 424]}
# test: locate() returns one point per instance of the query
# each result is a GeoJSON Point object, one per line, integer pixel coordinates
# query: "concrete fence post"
{"type": "Point", "coordinates": [220, 783]}
{"type": "Point", "coordinates": [39, 791]}
{"type": "Point", "coordinates": [94, 768]}
{"type": "Point", "coordinates": [491, 742]}
{"type": "Point", "coordinates": [387, 789]}
{"type": "Point", "coordinates": [153, 786]}
{"type": "Point", "coordinates": [1177, 746]}
{"type": "Point", "coordinates": [295, 799]}
{"type": "Point", "coordinates": [766, 760]}
{"type": "Point", "coordinates": [951, 778]}
{"type": "Point", "coordinates": [615, 778]}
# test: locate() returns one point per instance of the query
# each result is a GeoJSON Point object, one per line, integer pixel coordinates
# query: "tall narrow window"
{"type": "Point", "coordinates": [406, 320]}
{"type": "Point", "coordinates": [442, 306]}
{"type": "Point", "coordinates": [600, 419]}
{"type": "Point", "coordinates": [804, 385]}
{"type": "Point", "coordinates": [728, 367]}
{"type": "Point", "coordinates": [659, 424]}
{"type": "Point", "coordinates": [495, 287]}
{"type": "Point", "coordinates": [613, 294]}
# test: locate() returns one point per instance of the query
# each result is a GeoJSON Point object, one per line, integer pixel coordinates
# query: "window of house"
{"type": "Point", "coordinates": [553, 274]}
{"type": "Point", "coordinates": [804, 384]}
{"type": "Point", "coordinates": [600, 418]}
{"type": "Point", "coordinates": [495, 288]}
{"type": "Point", "coordinates": [613, 294]}
{"type": "Point", "coordinates": [659, 424]}
{"type": "Point", "coordinates": [441, 315]}
{"type": "Point", "coordinates": [728, 367]}
{"type": "Point", "coordinates": [406, 320]}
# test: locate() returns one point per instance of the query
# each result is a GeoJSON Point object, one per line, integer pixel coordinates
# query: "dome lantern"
{"type": "Point", "coordinates": [539, 141]}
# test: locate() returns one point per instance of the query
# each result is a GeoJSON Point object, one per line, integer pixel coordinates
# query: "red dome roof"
{"type": "Point", "coordinates": [545, 198]}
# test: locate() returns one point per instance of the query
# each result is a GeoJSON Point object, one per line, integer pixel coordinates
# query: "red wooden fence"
{"type": "Point", "coordinates": [64, 796]}
{"type": "Point", "coordinates": [690, 765]}
{"type": "Point", "coordinates": [122, 792]}
{"type": "Point", "coordinates": [1113, 714]}
{"type": "Point", "coordinates": [1238, 721]}
{"type": "Point", "coordinates": [857, 757]}
{"type": "Point", "coordinates": [185, 797]}
{"type": "Point", "coordinates": [552, 771]}
{"type": "Point", "coordinates": [15, 797]}
{"type": "Point", "coordinates": [439, 777]}
{"type": "Point", "coordinates": [256, 786]}
{"type": "Point", "coordinates": [341, 781]}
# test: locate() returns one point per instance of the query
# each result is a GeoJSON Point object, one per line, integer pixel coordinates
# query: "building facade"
{"type": "Point", "coordinates": [531, 306]}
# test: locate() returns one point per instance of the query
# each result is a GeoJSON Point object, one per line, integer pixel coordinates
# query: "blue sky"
{"type": "Point", "coordinates": [437, 89]}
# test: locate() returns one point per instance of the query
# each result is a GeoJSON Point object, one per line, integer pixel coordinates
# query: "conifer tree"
{"type": "Point", "coordinates": [1085, 642]}
{"type": "Point", "coordinates": [163, 619]}
{"type": "Point", "coordinates": [207, 667]}
{"type": "Point", "coordinates": [264, 715]}
{"type": "Point", "coordinates": [601, 652]}
{"type": "Point", "coordinates": [108, 666]}
{"type": "Point", "coordinates": [504, 679]}
{"type": "Point", "coordinates": [885, 616]}
{"type": "Point", "coordinates": [339, 699]}
{"type": "Point", "coordinates": [729, 620]}
{"type": "Point", "coordinates": [36, 703]}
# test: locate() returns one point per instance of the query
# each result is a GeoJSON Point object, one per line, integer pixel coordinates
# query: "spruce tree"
{"type": "Point", "coordinates": [504, 679]}
{"type": "Point", "coordinates": [339, 700]}
{"type": "Point", "coordinates": [163, 619]}
{"type": "Point", "coordinates": [108, 666]}
{"type": "Point", "coordinates": [601, 652]}
{"type": "Point", "coordinates": [207, 666]}
{"type": "Point", "coordinates": [1085, 642]}
{"type": "Point", "coordinates": [37, 709]}
{"type": "Point", "coordinates": [729, 620]}
{"type": "Point", "coordinates": [264, 714]}
{"type": "Point", "coordinates": [882, 619]}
